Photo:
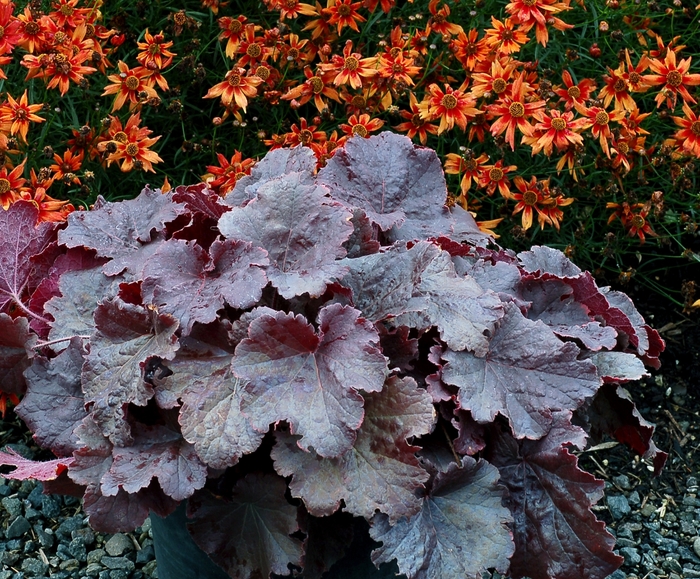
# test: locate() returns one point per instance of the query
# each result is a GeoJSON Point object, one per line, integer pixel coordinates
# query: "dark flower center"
{"type": "Point", "coordinates": [351, 63]}
{"type": "Point", "coordinates": [449, 102]}
{"type": "Point", "coordinates": [359, 130]}
{"type": "Point", "coordinates": [558, 124]}
{"type": "Point", "coordinates": [574, 92]}
{"type": "Point", "coordinates": [132, 149]}
{"type": "Point", "coordinates": [4, 186]}
{"type": "Point", "coordinates": [674, 78]}
{"type": "Point", "coordinates": [517, 110]}
{"type": "Point", "coordinates": [499, 85]}
{"type": "Point", "coordinates": [602, 118]}
{"type": "Point", "coordinates": [530, 198]}
{"type": "Point", "coordinates": [496, 174]}
{"type": "Point", "coordinates": [131, 82]}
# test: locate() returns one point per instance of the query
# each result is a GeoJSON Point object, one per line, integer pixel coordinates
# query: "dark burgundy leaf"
{"type": "Point", "coordinates": [556, 534]}
{"type": "Point", "coordinates": [125, 338]}
{"type": "Point", "coordinates": [398, 347]}
{"type": "Point", "coordinates": [21, 240]}
{"type": "Point", "coordinates": [613, 412]}
{"type": "Point", "coordinates": [327, 541]}
{"type": "Point", "coordinates": [32, 469]}
{"type": "Point", "coordinates": [381, 472]}
{"type": "Point", "coordinates": [16, 342]}
{"type": "Point", "coordinates": [500, 276]}
{"type": "Point", "coordinates": [472, 435]}
{"type": "Point", "coordinates": [311, 379]}
{"type": "Point", "coordinates": [248, 536]}
{"type": "Point", "coordinates": [276, 163]}
{"type": "Point", "coordinates": [54, 404]}
{"type": "Point", "coordinates": [542, 259]}
{"type": "Point", "coordinates": [397, 184]}
{"type": "Point", "coordinates": [301, 229]}
{"type": "Point", "coordinates": [156, 453]}
{"type": "Point", "coordinates": [199, 199]}
{"type": "Point", "coordinates": [363, 240]}
{"type": "Point", "coordinates": [527, 374]}
{"type": "Point", "coordinates": [184, 280]}
{"type": "Point", "coordinates": [118, 230]}
{"type": "Point", "coordinates": [461, 531]}
{"type": "Point", "coordinates": [618, 366]}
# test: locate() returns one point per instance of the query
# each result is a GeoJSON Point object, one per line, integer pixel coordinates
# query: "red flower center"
{"type": "Point", "coordinates": [449, 101]}
{"type": "Point", "coordinates": [358, 101]}
{"type": "Point", "coordinates": [638, 221]}
{"type": "Point", "coordinates": [635, 77]}
{"type": "Point", "coordinates": [306, 136]}
{"type": "Point", "coordinates": [344, 10]}
{"type": "Point", "coordinates": [529, 3]}
{"type": "Point", "coordinates": [517, 110]}
{"type": "Point", "coordinates": [558, 124]}
{"type": "Point", "coordinates": [620, 85]}
{"type": "Point", "coordinates": [507, 35]}
{"type": "Point", "coordinates": [32, 28]}
{"type": "Point", "coordinates": [470, 165]}
{"type": "Point", "coordinates": [235, 26]}
{"type": "Point", "coordinates": [623, 147]}
{"type": "Point", "coordinates": [234, 79]}
{"type": "Point", "coordinates": [674, 78]}
{"type": "Point", "coordinates": [66, 10]}
{"type": "Point", "coordinates": [417, 121]}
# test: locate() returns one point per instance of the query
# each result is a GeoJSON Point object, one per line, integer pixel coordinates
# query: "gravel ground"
{"type": "Point", "coordinates": [656, 520]}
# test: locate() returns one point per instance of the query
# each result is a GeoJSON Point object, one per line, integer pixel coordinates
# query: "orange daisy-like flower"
{"type": "Point", "coordinates": [616, 87]}
{"type": "Point", "coordinates": [631, 123]}
{"type": "Point", "coordinates": [10, 26]}
{"type": "Point", "coordinates": [292, 9]}
{"type": "Point", "coordinates": [344, 13]}
{"type": "Point", "coordinates": [66, 167]}
{"type": "Point", "coordinates": [415, 124]}
{"type": "Point", "coordinates": [511, 112]}
{"type": "Point", "coordinates": [227, 173]}
{"type": "Point", "coordinates": [316, 86]}
{"type": "Point", "coordinates": [469, 167]}
{"type": "Point", "coordinates": [575, 94]}
{"type": "Point", "coordinates": [496, 177]}
{"type": "Point", "coordinates": [129, 85]}
{"type": "Point", "coordinates": [398, 68]}
{"type": "Point", "coordinates": [305, 135]}
{"type": "Point", "coordinates": [235, 87]}
{"type": "Point", "coordinates": [67, 15]}
{"type": "Point", "coordinates": [361, 125]}
{"type": "Point", "coordinates": [134, 153]}
{"type": "Point", "coordinates": [504, 38]}
{"type": "Point", "coordinates": [232, 30]}
{"type": "Point", "coordinates": [530, 198]}
{"type": "Point", "coordinates": [6, 397]}
{"type": "Point", "coordinates": [296, 51]}
{"type": "Point", "coordinates": [32, 29]}
{"type": "Point", "coordinates": [688, 137]}
{"type": "Point", "coordinates": [538, 13]}
{"type": "Point", "coordinates": [350, 68]}
{"type": "Point", "coordinates": [371, 5]}
{"type": "Point", "coordinates": [19, 115]}
{"type": "Point", "coordinates": [252, 48]}
{"type": "Point", "coordinates": [634, 73]}
{"type": "Point", "coordinates": [59, 68]}
{"type": "Point", "coordinates": [560, 130]}
{"type": "Point", "coordinates": [674, 76]}
{"type": "Point", "coordinates": [50, 209]}
{"type": "Point", "coordinates": [11, 184]}
{"type": "Point", "coordinates": [496, 82]}
{"type": "Point", "coordinates": [635, 224]}
{"type": "Point", "coordinates": [327, 149]}
{"type": "Point", "coordinates": [599, 123]}
{"type": "Point", "coordinates": [452, 107]}
{"type": "Point", "coordinates": [154, 51]}
{"type": "Point", "coordinates": [468, 49]}
{"type": "Point", "coordinates": [438, 20]}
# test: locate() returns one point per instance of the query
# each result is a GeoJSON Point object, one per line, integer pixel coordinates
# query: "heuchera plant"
{"type": "Point", "coordinates": [317, 347]}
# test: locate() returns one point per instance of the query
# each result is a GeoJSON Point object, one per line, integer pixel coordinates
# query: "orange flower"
{"type": "Point", "coordinates": [60, 68]}
{"type": "Point", "coordinates": [304, 135]}
{"type": "Point", "coordinates": [6, 397]}
{"type": "Point", "coordinates": [530, 198]}
{"type": "Point", "coordinates": [634, 73]}
{"type": "Point", "coordinates": [235, 87]}
{"type": "Point", "coordinates": [128, 86]}
{"type": "Point", "coordinates": [415, 124]}
{"type": "Point", "coordinates": [66, 167]}
{"type": "Point", "coordinates": [50, 209]}
{"type": "Point", "coordinates": [252, 48]}
{"type": "Point", "coordinates": [559, 129]}
{"type": "Point", "coordinates": [496, 177]}
{"type": "Point", "coordinates": [344, 13]}
{"type": "Point", "coordinates": [327, 149]}
{"type": "Point", "coordinates": [33, 30]}
{"type": "Point", "coordinates": [232, 29]}
{"type": "Point", "coordinates": [616, 87]}
{"type": "Point", "coordinates": [599, 123]}
{"type": "Point", "coordinates": [575, 95]}
{"type": "Point", "coordinates": [438, 20]}
{"type": "Point", "coordinates": [511, 111]}
{"type": "Point", "coordinates": [469, 50]}
{"type": "Point", "coordinates": [361, 125]}
{"type": "Point", "coordinates": [19, 114]}
{"type": "Point", "coordinates": [636, 224]}
{"type": "Point", "coordinates": [538, 13]}
{"type": "Point", "coordinates": [674, 77]}
{"type": "Point", "coordinates": [467, 166]}
{"type": "Point", "coordinates": [154, 51]}
{"type": "Point", "coordinates": [11, 184]}
{"type": "Point", "coordinates": [228, 172]}
{"type": "Point", "coordinates": [66, 15]}
{"type": "Point", "coordinates": [292, 9]}
{"type": "Point", "coordinates": [495, 82]}
{"type": "Point", "coordinates": [504, 38]}
{"type": "Point", "coordinates": [632, 121]}
{"type": "Point", "coordinates": [688, 137]}
{"type": "Point", "coordinates": [398, 68]}
{"type": "Point", "coordinates": [371, 5]}
{"type": "Point", "coordinates": [350, 68]}
{"type": "Point", "coordinates": [451, 107]}
{"type": "Point", "coordinates": [134, 153]}
{"type": "Point", "coordinates": [10, 26]}
{"type": "Point", "coordinates": [315, 86]}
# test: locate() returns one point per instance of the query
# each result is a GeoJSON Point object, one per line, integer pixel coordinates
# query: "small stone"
{"type": "Point", "coordinates": [688, 527]}
{"type": "Point", "coordinates": [5, 574]}
{"type": "Point", "coordinates": [13, 545]}
{"type": "Point", "coordinates": [118, 563]}
{"type": "Point", "coordinates": [625, 531]}
{"type": "Point", "coordinates": [632, 556]}
{"type": "Point", "coordinates": [34, 567]}
{"type": "Point", "coordinates": [17, 528]}
{"type": "Point", "coordinates": [151, 569]}
{"type": "Point", "coordinates": [50, 506]}
{"type": "Point", "coordinates": [145, 555]}
{"type": "Point", "coordinates": [618, 506]}
{"type": "Point", "coordinates": [118, 545]}
{"type": "Point", "coordinates": [104, 575]}
{"type": "Point", "coordinates": [688, 555]}
{"type": "Point", "coordinates": [95, 556]}
{"type": "Point", "coordinates": [68, 526]}
{"type": "Point", "coordinates": [648, 510]}
{"type": "Point", "coordinates": [63, 553]}
{"type": "Point", "coordinates": [689, 573]}
{"type": "Point", "coordinates": [634, 499]}
{"type": "Point", "coordinates": [31, 514]}
{"type": "Point", "coordinates": [691, 501]}
{"type": "Point", "coordinates": [664, 543]}
{"type": "Point", "coordinates": [13, 506]}
{"type": "Point", "coordinates": [34, 497]}
{"type": "Point", "coordinates": [87, 535]}
{"type": "Point", "coordinates": [672, 565]}
{"type": "Point", "coordinates": [617, 575]}
{"type": "Point", "coordinates": [622, 542]}
{"type": "Point", "coordinates": [696, 546]}
{"type": "Point", "coordinates": [4, 492]}
{"type": "Point", "coordinates": [77, 549]}
{"type": "Point", "coordinates": [93, 569]}
{"type": "Point", "coordinates": [623, 481]}
{"type": "Point", "coordinates": [69, 565]}
{"type": "Point", "coordinates": [117, 574]}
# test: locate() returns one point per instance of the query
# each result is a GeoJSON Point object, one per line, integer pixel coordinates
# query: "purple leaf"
{"type": "Point", "coordinates": [308, 379]}
{"type": "Point", "coordinates": [301, 229]}
{"type": "Point", "coordinates": [541, 259]}
{"type": "Point", "coordinates": [460, 531]}
{"type": "Point", "coordinates": [21, 240]}
{"type": "Point", "coordinates": [327, 541]}
{"type": "Point", "coordinates": [156, 453]}
{"type": "Point", "coordinates": [527, 374]}
{"type": "Point", "coordinates": [32, 469]}
{"type": "Point", "coordinates": [397, 184]}
{"type": "Point", "coordinates": [183, 280]}
{"type": "Point", "coordinates": [118, 230]}
{"type": "Point", "coordinates": [16, 343]}
{"type": "Point", "coordinates": [381, 472]}
{"type": "Point", "coordinates": [54, 404]}
{"type": "Point", "coordinates": [125, 338]}
{"type": "Point", "coordinates": [199, 200]}
{"type": "Point", "coordinates": [249, 536]}
{"type": "Point", "coordinates": [618, 366]}
{"type": "Point", "coordinates": [363, 239]}
{"type": "Point", "coordinates": [556, 534]}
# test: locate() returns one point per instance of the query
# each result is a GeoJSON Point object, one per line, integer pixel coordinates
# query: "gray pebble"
{"type": "Point", "coordinates": [117, 574]}
{"type": "Point", "coordinates": [34, 497]}
{"type": "Point", "coordinates": [118, 545]}
{"type": "Point", "coordinates": [77, 549]}
{"type": "Point", "coordinates": [93, 569]}
{"type": "Point", "coordinates": [619, 574]}
{"type": "Point", "coordinates": [672, 565]}
{"type": "Point", "coordinates": [688, 555]}
{"type": "Point", "coordinates": [690, 573]}
{"type": "Point", "coordinates": [151, 569]}
{"type": "Point", "coordinates": [623, 481]}
{"type": "Point", "coordinates": [691, 501]}
{"type": "Point", "coordinates": [118, 563]}
{"type": "Point", "coordinates": [696, 546]}
{"type": "Point", "coordinates": [31, 514]}
{"type": "Point", "coordinates": [664, 543]}
{"type": "Point", "coordinates": [622, 542]}
{"type": "Point", "coordinates": [632, 556]}
{"type": "Point", "coordinates": [87, 535]}
{"type": "Point", "coordinates": [634, 499]}
{"type": "Point", "coordinates": [69, 525]}
{"type": "Point", "coordinates": [13, 506]}
{"type": "Point", "coordinates": [50, 506]}
{"type": "Point", "coordinates": [648, 510]}
{"type": "Point", "coordinates": [70, 565]}
{"type": "Point", "coordinates": [5, 574]}
{"type": "Point", "coordinates": [618, 506]}
{"type": "Point", "coordinates": [17, 528]}
{"type": "Point", "coordinates": [95, 556]}
{"type": "Point", "coordinates": [34, 567]}
{"type": "Point", "coordinates": [146, 554]}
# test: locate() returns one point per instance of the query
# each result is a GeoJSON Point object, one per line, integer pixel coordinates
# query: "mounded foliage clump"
{"type": "Point", "coordinates": [319, 346]}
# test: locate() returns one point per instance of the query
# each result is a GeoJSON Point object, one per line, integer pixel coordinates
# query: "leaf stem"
{"type": "Point", "coordinates": [41, 344]}
{"type": "Point", "coordinates": [449, 441]}
{"type": "Point", "coordinates": [29, 312]}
